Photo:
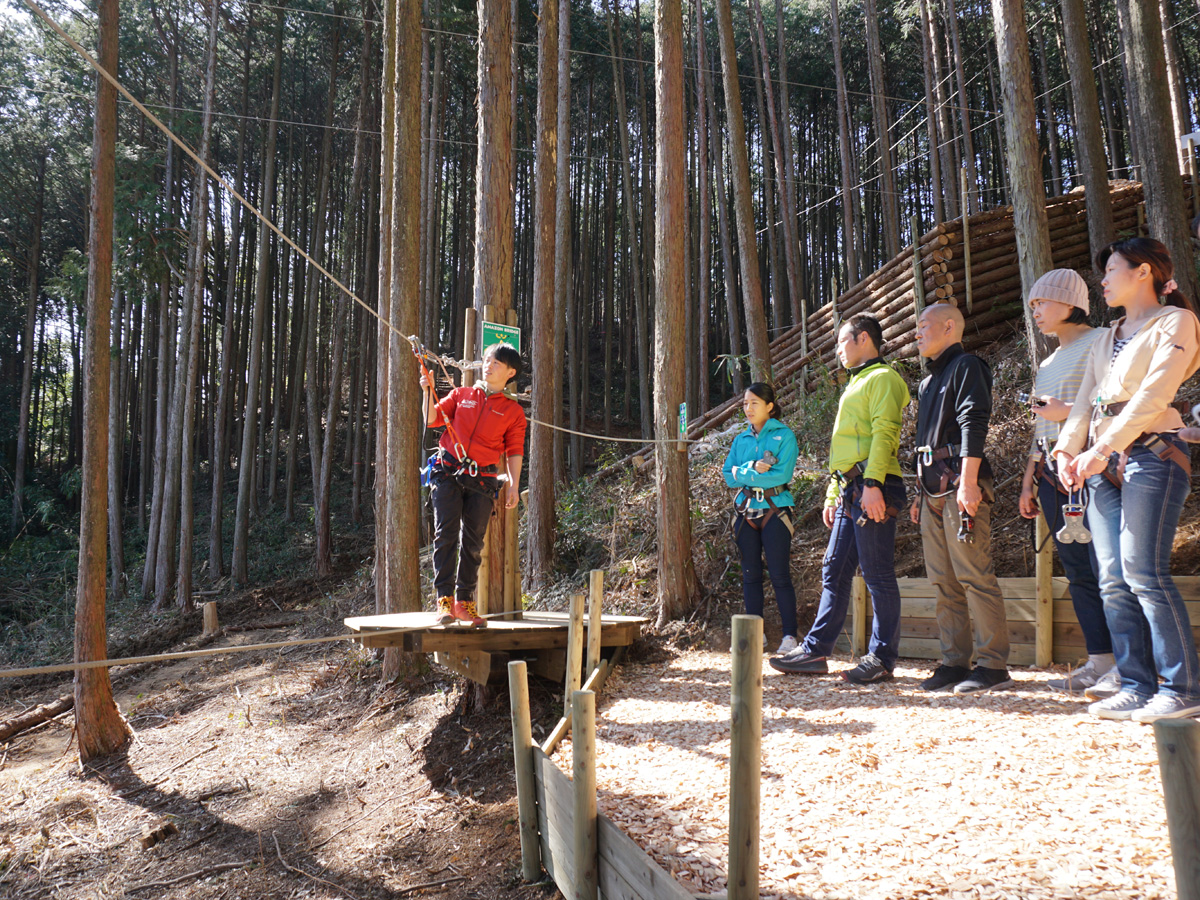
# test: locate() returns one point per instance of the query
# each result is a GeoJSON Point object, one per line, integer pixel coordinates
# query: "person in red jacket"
{"type": "Point", "coordinates": [481, 422]}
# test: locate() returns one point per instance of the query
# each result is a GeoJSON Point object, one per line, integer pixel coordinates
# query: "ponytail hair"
{"type": "Point", "coordinates": [766, 394]}
{"type": "Point", "coordinates": [1139, 251]}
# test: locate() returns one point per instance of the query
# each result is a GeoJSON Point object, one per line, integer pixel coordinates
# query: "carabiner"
{"type": "Point", "coordinates": [460, 451]}
{"type": "Point", "coordinates": [473, 469]}
{"type": "Point", "coordinates": [758, 494]}
{"type": "Point", "coordinates": [926, 453]}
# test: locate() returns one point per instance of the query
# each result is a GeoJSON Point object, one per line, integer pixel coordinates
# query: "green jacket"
{"type": "Point", "coordinates": [867, 426]}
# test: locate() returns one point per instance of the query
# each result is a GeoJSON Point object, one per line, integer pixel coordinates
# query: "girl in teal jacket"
{"type": "Point", "coordinates": [760, 465]}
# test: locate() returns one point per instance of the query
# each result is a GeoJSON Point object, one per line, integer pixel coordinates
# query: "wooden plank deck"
{"type": "Point", "coordinates": [481, 653]}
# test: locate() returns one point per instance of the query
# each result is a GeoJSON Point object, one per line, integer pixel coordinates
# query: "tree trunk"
{"type": "Point", "coordinates": [850, 240]}
{"type": "Point", "coordinates": [562, 230]}
{"type": "Point", "coordinates": [494, 163]}
{"type": "Point", "coordinates": [641, 326]}
{"type": "Point", "coordinates": [1090, 158]}
{"type": "Point", "coordinates": [937, 185]}
{"type": "Point", "coordinates": [1166, 212]}
{"type": "Point", "coordinates": [888, 199]}
{"type": "Point", "coordinates": [116, 452]}
{"type": "Point", "coordinates": [541, 441]}
{"type": "Point", "coordinates": [752, 299]}
{"type": "Point", "coordinates": [246, 462]}
{"type": "Point", "coordinates": [1020, 132]}
{"type": "Point", "coordinates": [31, 297]}
{"type": "Point", "coordinates": [704, 268]}
{"type": "Point", "coordinates": [677, 589]}
{"type": "Point", "coordinates": [225, 372]}
{"type": "Point", "coordinates": [1056, 181]}
{"type": "Point", "coordinates": [970, 203]}
{"type": "Point", "coordinates": [100, 727]}
{"type": "Point", "coordinates": [402, 509]}
{"type": "Point", "coordinates": [195, 298]}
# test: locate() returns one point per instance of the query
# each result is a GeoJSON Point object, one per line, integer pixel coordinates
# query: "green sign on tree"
{"type": "Point", "coordinates": [494, 333]}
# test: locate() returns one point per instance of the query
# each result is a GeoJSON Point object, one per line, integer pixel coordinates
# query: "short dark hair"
{"type": "Point", "coordinates": [1077, 316]}
{"type": "Point", "coordinates": [766, 394]}
{"type": "Point", "coordinates": [507, 354]}
{"type": "Point", "coordinates": [862, 323]}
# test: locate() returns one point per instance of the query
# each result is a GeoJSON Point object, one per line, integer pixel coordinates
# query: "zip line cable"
{"type": "Point", "coordinates": [186, 148]}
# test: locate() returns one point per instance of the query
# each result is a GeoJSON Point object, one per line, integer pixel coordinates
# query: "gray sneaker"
{"type": "Point", "coordinates": [1078, 680]}
{"type": "Point", "coordinates": [1166, 706]}
{"type": "Point", "coordinates": [1118, 706]}
{"type": "Point", "coordinates": [1109, 685]}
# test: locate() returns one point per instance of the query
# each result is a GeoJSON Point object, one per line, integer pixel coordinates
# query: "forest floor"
{"type": "Point", "coordinates": [295, 772]}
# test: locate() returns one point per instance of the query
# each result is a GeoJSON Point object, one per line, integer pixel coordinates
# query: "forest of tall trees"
{"type": "Point", "coordinates": [811, 140]}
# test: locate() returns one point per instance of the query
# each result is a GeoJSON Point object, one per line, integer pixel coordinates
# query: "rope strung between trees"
{"type": "Point", "coordinates": [184, 654]}
{"type": "Point", "coordinates": [186, 148]}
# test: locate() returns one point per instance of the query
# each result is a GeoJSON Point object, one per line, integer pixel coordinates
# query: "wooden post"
{"type": "Point", "coordinates": [595, 601]}
{"type": "Point", "coordinates": [518, 696]}
{"type": "Point", "coordinates": [918, 275]}
{"type": "Point", "coordinates": [574, 651]}
{"type": "Point", "coordinates": [966, 231]}
{"type": "Point", "coordinates": [470, 325]}
{"type": "Point", "coordinates": [583, 777]}
{"type": "Point", "coordinates": [1178, 742]}
{"type": "Point", "coordinates": [858, 616]}
{"type": "Point", "coordinates": [745, 757]}
{"type": "Point", "coordinates": [210, 618]}
{"type": "Point", "coordinates": [1043, 635]}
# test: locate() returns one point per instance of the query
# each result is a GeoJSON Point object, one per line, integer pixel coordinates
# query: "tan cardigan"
{"type": "Point", "coordinates": [1145, 377]}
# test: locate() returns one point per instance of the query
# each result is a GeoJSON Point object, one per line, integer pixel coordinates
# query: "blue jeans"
{"type": "Point", "coordinates": [872, 546]}
{"type": "Point", "coordinates": [1082, 571]}
{"type": "Point", "coordinates": [775, 542]}
{"type": "Point", "coordinates": [1133, 528]}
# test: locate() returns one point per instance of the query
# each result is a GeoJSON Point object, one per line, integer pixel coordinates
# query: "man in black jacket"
{"type": "Point", "coordinates": [953, 507]}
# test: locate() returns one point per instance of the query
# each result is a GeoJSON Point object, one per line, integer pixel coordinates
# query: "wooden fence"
{"type": "Point", "coordinates": [1051, 623]}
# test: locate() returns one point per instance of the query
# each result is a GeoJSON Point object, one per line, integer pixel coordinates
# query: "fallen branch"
{"type": "Point", "coordinates": [36, 716]}
{"type": "Point", "coordinates": [430, 884]}
{"type": "Point", "coordinates": [336, 887]}
{"type": "Point", "coordinates": [199, 873]}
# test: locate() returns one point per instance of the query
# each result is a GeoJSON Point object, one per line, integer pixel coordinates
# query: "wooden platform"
{"type": "Point", "coordinates": [480, 653]}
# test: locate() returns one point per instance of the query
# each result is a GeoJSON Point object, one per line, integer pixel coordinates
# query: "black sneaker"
{"type": "Point", "coordinates": [801, 662]}
{"type": "Point", "coordinates": [983, 679]}
{"type": "Point", "coordinates": [945, 678]}
{"type": "Point", "coordinates": [868, 671]}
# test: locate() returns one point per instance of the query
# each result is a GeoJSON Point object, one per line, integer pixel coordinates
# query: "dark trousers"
{"type": "Point", "coordinates": [774, 541]}
{"type": "Point", "coordinates": [1083, 573]}
{"type": "Point", "coordinates": [460, 521]}
{"type": "Point", "coordinates": [872, 546]}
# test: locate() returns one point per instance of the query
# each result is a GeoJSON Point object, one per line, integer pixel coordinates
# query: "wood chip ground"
{"type": "Point", "coordinates": [887, 791]}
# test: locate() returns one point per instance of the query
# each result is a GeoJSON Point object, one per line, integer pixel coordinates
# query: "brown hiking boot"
{"type": "Point", "coordinates": [445, 612]}
{"type": "Point", "coordinates": [464, 613]}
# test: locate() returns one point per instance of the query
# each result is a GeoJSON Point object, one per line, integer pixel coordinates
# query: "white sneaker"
{"type": "Point", "coordinates": [1166, 706]}
{"type": "Point", "coordinates": [1109, 685]}
{"type": "Point", "coordinates": [1119, 706]}
{"type": "Point", "coordinates": [1078, 680]}
{"type": "Point", "coordinates": [787, 645]}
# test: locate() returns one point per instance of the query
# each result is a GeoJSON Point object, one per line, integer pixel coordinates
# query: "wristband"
{"type": "Point", "coordinates": [872, 482]}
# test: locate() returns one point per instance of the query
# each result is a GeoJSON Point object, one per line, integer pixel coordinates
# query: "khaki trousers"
{"type": "Point", "coordinates": [965, 585]}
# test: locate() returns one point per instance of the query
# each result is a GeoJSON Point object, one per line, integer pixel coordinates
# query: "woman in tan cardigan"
{"type": "Point", "coordinates": [1138, 471]}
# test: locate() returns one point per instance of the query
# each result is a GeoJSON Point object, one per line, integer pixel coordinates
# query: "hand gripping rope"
{"type": "Point", "coordinates": [466, 464]}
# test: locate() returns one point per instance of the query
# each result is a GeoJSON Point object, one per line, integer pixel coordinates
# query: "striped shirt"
{"type": "Point", "coordinates": [1060, 375]}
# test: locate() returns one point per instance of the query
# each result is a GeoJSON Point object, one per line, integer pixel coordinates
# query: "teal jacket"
{"type": "Point", "coordinates": [748, 448]}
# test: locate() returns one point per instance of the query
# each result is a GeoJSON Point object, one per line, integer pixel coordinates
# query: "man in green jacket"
{"type": "Point", "coordinates": [866, 494]}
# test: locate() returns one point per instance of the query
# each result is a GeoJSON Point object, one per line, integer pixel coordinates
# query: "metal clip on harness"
{"type": "Point", "coordinates": [1073, 530]}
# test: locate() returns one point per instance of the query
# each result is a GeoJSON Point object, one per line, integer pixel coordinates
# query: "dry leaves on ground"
{"type": "Point", "coordinates": [887, 791]}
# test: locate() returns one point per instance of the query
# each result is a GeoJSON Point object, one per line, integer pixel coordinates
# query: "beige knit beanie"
{"type": "Point", "coordinates": [1062, 285]}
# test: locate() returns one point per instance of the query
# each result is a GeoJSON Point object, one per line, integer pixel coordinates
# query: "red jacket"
{"type": "Point", "coordinates": [487, 424]}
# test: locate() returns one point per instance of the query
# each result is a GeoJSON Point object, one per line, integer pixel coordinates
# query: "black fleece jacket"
{"type": "Point", "coordinates": [954, 406]}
